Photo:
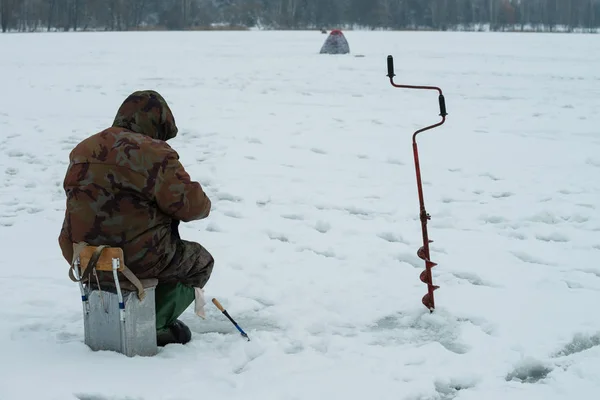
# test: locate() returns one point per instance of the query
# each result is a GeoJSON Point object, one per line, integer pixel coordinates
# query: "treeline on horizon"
{"type": "Point", "coordinates": [124, 15]}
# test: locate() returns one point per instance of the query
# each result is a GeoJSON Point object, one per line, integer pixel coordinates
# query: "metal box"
{"type": "Point", "coordinates": [131, 332]}
{"type": "Point", "coordinates": [114, 317]}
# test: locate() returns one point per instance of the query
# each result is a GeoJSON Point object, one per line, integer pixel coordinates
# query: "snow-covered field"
{"type": "Point", "coordinates": [314, 227]}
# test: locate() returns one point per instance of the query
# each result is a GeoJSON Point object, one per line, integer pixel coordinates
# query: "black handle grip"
{"type": "Point", "coordinates": [443, 112]}
{"type": "Point", "coordinates": [390, 65]}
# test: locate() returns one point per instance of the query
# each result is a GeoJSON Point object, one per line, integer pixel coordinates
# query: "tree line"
{"type": "Point", "coordinates": [122, 15]}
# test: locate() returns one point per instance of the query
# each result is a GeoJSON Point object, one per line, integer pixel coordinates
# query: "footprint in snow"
{"type": "Point", "coordinates": [11, 171]}
{"type": "Point", "coordinates": [322, 226]}
{"type": "Point", "coordinates": [493, 219]}
{"type": "Point", "coordinates": [448, 200]}
{"type": "Point", "coordinates": [278, 236]}
{"type": "Point", "coordinates": [66, 337]}
{"type": "Point", "coordinates": [357, 211]}
{"type": "Point", "coordinates": [95, 396]}
{"type": "Point", "coordinates": [253, 140]}
{"type": "Point", "coordinates": [490, 176]}
{"type": "Point", "coordinates": [411, 259]}
{"type": "Point", "coordinates": [6, 223]}
{"type": "Point", "coordinates": [544, 217]}
{"type": "Point", "coordinates": [265, 303]}
{"type": "Point", "coordinates": [263, 202]}
{"type": "Point", "coordinates": [567, 191]}
{"type": "Point", "coordinates": [595, 162]}
{"type": "Point", "coordinates": [553, 237]}
{"type": "Point", "coordinates": [15, 154]}
{"type": "Point", "coordinates": [11, 203]}
{"type": "Point", "coordinates": [486, 326]}
{"type": "Point", "coordinates": [530, 259]}
{"type": "Point", "coordinates": [233, 214]}
{"type": "Point", "coordinates": [472, 278]}
{"type": "Point", "coordinates": [578, 344]}
{"type": "Point", "coordinates": [577, 218]}
{"type": "Point", "coordinates": [252, 352]}
{"type": "Point", "coordinates": [551, 219]}
{"type": "Point", "coordinates": [529, 371]}
{"type": "Point", "coordinates": [449, 390]}
{"type": "Point", "coordinates": [71, 141]}
{"type": "Point", "coordinates": [318, 151]}
{"type": "Point", "coordinates": [591, 271]}
{"type": "Point", "coordinates": [323, 253]}
{"type": "Point", "coordinates": [222, 196]}
{"type": "Point", "coordinates": [391, 237]}
{"type": "Point", "coordinates": [212, 227]}
{"type": "Point", "coordinates": [516, 235]}
{"type": "Point", "coordinates": [294, 217]}
{"type": "Point", "coordinates": [574, 285]}
{"type": "Point", "coordinates": [294, 347]}
{"type": "Point", "coordinates": [395, 161]}
{"type": "Point", "coordinates": [502, 195]}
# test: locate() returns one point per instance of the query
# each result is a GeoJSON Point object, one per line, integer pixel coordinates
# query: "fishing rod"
{"type": "Point", "coordinates": [224, 311]}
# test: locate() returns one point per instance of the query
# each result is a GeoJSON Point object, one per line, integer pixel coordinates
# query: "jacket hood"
{"type": "Point", "coordinates": [148, 113]}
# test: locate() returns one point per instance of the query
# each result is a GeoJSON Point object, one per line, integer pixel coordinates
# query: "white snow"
{"type": "Point", "coordinates": [315, 228]}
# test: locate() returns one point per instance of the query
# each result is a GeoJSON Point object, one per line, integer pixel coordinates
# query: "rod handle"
{"type": "Point", "coordinates": [442, 101]}
{"type": "Point", "coordinates": [390, 67]}
{"type": "Point", "coordinates": [219, 306]}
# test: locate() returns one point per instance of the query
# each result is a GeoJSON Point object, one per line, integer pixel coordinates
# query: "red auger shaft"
{"type": "Point", "coordinates": [423, 252]}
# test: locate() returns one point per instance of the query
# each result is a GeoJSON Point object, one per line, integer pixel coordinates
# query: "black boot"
{"type": "Point", "coordinates": [176, 333]}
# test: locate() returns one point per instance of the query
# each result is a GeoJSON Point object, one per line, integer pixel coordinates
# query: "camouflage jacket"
{"type": "Point", "coordinates": [125, 187]}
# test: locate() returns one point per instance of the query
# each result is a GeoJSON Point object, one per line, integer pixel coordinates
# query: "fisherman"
{"type": "Point", "coordinates": [126, 187]}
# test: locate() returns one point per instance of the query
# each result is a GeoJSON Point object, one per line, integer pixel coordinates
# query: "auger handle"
{"type": "Point", "coordinates": [442, 102]}
{"type": "Point", "coordinates": [390, 65]}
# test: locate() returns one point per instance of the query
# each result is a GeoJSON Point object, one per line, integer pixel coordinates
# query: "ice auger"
{"type": "Point", "coordinates": [423, 252]}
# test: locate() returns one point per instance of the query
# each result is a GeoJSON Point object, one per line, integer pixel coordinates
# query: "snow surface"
{"type": "Point", "coordinates": [308, 161]}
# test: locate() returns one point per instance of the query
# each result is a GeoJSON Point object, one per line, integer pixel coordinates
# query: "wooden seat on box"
{"type": "Point", "coordinates": [118, 308]}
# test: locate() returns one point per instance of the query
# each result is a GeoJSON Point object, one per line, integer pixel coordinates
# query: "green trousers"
{"type": "Point", "coordinates": [172, 299]}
